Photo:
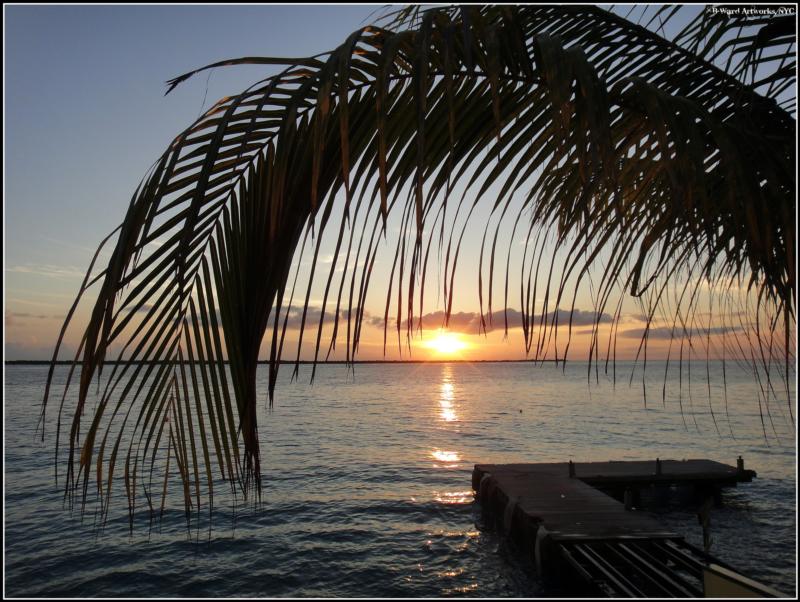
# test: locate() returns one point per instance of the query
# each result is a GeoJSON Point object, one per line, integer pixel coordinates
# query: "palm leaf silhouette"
{"type": "Point", "coordinates": [595, 136]}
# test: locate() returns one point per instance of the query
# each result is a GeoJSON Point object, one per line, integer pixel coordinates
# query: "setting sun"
{"type": "Point", "coordinates": [446, 343]}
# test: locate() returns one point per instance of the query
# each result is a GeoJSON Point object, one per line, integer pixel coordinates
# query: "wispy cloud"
{"type": "Point", "coordinates": [23, 319]}
{"type": "Point", "coordinates": [48, 270]}
{"type": "Point", "coordinates": [666, 333]}
{"type": "Point", "coordinates": [313, 313]}
{"type": "Point", "coordinates": [69, 245]}
{"type": "Point", "coordinates": [470, 322]}
{"type": "Point", "coordinates": [19, 301]}
{"type": "Point", "coordinates": [27, 316]}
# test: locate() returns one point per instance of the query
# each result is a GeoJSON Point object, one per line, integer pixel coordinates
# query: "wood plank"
{"type": "Point", "coordinates": [568, 507]}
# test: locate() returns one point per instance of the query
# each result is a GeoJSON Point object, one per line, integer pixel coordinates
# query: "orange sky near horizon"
{"type": "Point", "coordinates": [32, 336]}
{"type": "Point", "coordinates": [40, 296]}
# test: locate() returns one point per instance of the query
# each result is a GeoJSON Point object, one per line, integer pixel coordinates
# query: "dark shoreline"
{"type": "Point", "coordinates": [320, 363]}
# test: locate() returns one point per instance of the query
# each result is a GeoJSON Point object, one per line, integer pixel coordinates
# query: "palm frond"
{"type": "Point", "coordinates": [600, 140]}
{"type": "Point", "coordinates": [755, 44]}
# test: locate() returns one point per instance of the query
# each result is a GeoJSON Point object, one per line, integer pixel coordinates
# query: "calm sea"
{"type": "Point", "coordinates": [368, 491]}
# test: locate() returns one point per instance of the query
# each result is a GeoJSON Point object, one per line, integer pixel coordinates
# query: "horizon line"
{"type": "Point", "coordinates": [409, 361]}
{"type": "Point", "coordinates": [431, 361]}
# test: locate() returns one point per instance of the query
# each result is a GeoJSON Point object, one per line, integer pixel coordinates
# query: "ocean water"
{"type": "Point", "coordinates": [367, 483]}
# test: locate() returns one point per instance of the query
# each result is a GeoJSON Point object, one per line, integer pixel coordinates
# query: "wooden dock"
{"type": "Point", "coordinates": [558, 513]}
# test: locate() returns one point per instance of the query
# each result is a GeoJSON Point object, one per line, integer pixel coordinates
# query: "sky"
{"type": "Point", "coordinates": [85, 116]}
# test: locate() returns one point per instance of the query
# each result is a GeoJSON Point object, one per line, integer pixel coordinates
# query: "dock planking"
{"type": "Point", "coordinates": [545, 496]}
{"type": "Point", "coordinates": [675, 472]}
{"type": "Point", "coordinates": [546, 506]}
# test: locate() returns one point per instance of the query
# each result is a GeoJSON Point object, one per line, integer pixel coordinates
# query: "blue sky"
{"type": "Point", "coordinates": [85, 110]}
{"type": "Point", "coordinates": [85, 116]}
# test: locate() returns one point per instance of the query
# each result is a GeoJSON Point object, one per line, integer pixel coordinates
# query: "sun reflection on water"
{"type": "Point", "coordinates": [447, 414]}
{"type": "Point", "coordinates": [453, 497]}
{"type": "Point", "coordinates": [445, 456]}
{"type": "Point", "coordinates": [447, 411]}
{"type": "Point", "coordinates": [465, 589]}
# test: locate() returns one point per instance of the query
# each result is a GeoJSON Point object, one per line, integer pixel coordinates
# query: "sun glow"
{"type": "Point", "coordinates": [446, 343]}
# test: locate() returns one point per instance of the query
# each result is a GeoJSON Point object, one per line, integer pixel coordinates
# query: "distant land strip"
{"type": "Point", "coordinates": [290, 362]}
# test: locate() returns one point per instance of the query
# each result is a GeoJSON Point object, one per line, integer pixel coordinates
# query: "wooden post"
{"type": "Point", "coordinates": [704, 518]}
{"type": "Point", "coordinates": [571, 470]}
{"type": "Point", "coordinates": [739, 465]}
{"type": "Point", "coordinates": [658, 466]}
{"type": "Point", "coordinates": [628, 498]}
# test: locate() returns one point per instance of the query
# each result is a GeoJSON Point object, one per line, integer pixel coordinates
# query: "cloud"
{"type": "Point", "coordinates": [470, 322]}
{"type": "Point", "coordinates": [313, 313]}
{"type": "Point", "coordinates": [48, 270]}
{"type": "Point", "coordinates": [667, 333]}
{"type": "Point", "coordinates": [466, 322]}
{"type": "Point", "coordinates": [581, 317]}
{"type": "Point", "coordinates": [11, 316]}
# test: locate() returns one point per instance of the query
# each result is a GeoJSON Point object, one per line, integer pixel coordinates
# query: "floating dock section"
{"type": "Point", "coordinates": [578, 522]}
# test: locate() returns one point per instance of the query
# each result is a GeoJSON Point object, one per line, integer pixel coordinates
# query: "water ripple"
{"type": "Point", "coordinates": [367, 488]}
